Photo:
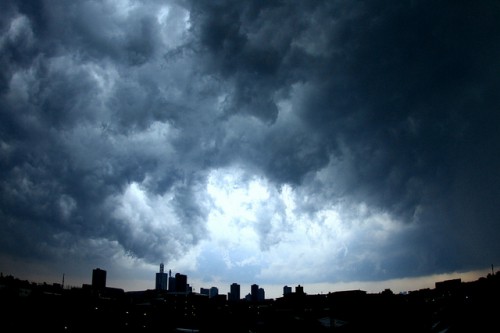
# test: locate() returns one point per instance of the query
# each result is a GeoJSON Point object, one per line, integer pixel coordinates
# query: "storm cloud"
{"type": "Point", "coordinates": [338, 140]}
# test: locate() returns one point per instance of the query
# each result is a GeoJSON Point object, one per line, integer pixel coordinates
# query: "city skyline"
{"type": "Point", "coordinates": [449, 306]}
{"type": "Point", "coordinates": [99, 279]}
{"type": "Point", "coordinates": [329, 144]}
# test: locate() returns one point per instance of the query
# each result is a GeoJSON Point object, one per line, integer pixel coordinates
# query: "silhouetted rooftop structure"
{"type": "Point", "coordinates": [98, 278]}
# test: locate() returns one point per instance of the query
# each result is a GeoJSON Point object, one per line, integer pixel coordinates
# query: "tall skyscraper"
{"type": "Point", "coordinates": [161, 279]}
{"type": "Point", "coordinates": [261, 294]}
{"type": "Point", "coordinates": [234, 294]}
{"type": "Point", "coordinates": [287, 290]}
{"type": "Point", "coordinates": [180, 283]}
{"type": "Point", "coordinates": [171, 282]}
{"type": "Point", "coordinates": [98, 278]}
{"type": "Point", "coordinates": [254, 292]}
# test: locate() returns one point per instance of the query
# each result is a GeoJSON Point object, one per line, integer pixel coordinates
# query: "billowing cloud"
{"type": "Point", "coordinates": [251, 141]}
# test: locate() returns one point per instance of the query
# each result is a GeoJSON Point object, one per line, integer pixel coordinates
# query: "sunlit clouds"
{"type": "Point", "coordinates": [276, 143]}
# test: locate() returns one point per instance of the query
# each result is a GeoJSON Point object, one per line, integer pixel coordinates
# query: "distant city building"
{"type": "Point", "coordinates": [254, 292]}
{"type": "Point", "coordinates": [448, 285]}
{"type": "Point", "coordinates": [98, 278]}
{"type": "Point", "coordinates": [234, 294]}
{"type": "Point", "coordinates": [161, 279]}
{"type": "Point", "coordinates": [213, 292]}
{"type": "Point", "coordinates": [205, 291]}
{"type": "Point", "coordinates": [180, 283]}
{"type": "Point", "coordinates": [261, 294]}
{"type": "Point", "coordinates": [171, 282]}
{"type": "Point", "coordinates": [287, 290]}
{"type": "Point", "coordinates": [299, 290]}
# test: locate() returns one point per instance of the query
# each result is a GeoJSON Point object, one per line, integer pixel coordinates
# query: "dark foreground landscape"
{"type": "Point", "coordinates": [452, 306]}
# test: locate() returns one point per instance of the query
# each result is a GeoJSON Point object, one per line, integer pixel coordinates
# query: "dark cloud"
{"type": "Point", "coordinates": [104, 106]}
{"type": "Point", "coordinates": [400, 97]}
{"type": "Point", "coordinates": [66, 124]}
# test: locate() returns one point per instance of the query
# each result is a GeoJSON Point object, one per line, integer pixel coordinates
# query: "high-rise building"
{"type": "Point", "coordinates": [161, 279]}
{"type": "Point", "coordinates": [171, 282]}
{"type": "Point", "coordinates": [234, 294]}
{"type": "Point", "coordinates": [98, 278]}
{"type": "Point", "coordinates": [180, 283]}
{"type": "Point", "coordinates": [287, 290]}
{"type": "Point", "coordinates": [261, 294]}
{"type": "Point", "coordinates": [254, 292]}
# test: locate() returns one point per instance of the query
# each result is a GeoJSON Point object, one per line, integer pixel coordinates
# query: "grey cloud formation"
{"type": "Point", "coordinates": [114, 114]}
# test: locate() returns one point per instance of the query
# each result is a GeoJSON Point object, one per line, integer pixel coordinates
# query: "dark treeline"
{"type": "Point", "coordinates": [452, 306]}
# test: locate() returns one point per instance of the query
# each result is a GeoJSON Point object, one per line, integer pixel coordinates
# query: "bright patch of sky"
{"type": "Point", "coordinates": [254, 227]}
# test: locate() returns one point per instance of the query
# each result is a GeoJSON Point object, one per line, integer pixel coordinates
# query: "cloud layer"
{"type": "Point", "coordinates": [251, 141]}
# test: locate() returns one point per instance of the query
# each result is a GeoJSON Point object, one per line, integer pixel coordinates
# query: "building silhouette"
{"type": "Point", "coordinates": [214, 292]}
{"type": "Point", "coordinates": [287, 290]}
{"type": "Point", "coordinates": [171, 282]}
{"type": "Point", "coordinates": [254, 292]}
{"type": "Point", "coordinates": [205, 291]}
{"type": "Point", "coordinates": [299, 290]}
{"type": "Point", "coordinates": [181, 283]}
{"type": "Point", "coordinates": [234, 294]}
{"type": "Point", "coordinates": [161, 279]}
{"type": "Point", "coordinates": [261, 294]}
{"type": "Point", "coordinates": [98, 278]}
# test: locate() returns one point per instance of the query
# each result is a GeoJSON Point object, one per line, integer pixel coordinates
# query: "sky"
{"type": "Point", "coordinates": [331, 144]}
